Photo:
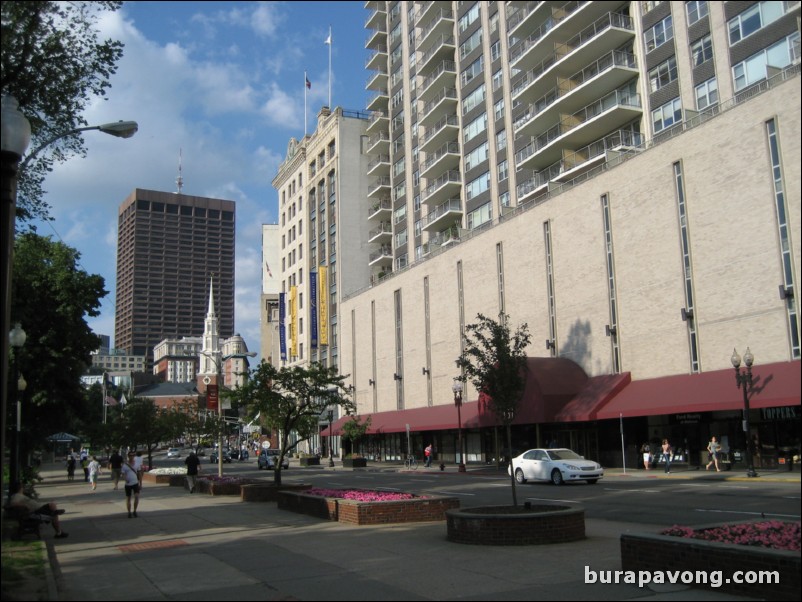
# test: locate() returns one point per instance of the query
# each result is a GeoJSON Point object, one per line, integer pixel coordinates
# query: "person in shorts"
{"type": "Point", "coordinates": [20, 500]}
{"type": "Point", "coordinates": [116, 467]}
{"type": "Point", "coordinates": [131, 484]}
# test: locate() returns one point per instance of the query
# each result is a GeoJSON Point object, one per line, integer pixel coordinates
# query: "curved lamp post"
{"type": "Point", "coordinates": [744, 382]}
{"type": "Point", "coordinates": [457, 389]}
{"type": "Point", "coordinates": [16, 338]}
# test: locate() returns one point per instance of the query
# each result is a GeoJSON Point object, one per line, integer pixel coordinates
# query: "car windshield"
{"type": "Point", "coordinates": [563, 454]}
{"type": "Point", "coordinates": [271, 452]}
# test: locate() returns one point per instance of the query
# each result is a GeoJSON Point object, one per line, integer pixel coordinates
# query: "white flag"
{"type": "Point", "coordinates": [123, 400]}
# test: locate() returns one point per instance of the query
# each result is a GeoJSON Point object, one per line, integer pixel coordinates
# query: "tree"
{"type": "Point", "coordinates": [144, 423]}
{"type": "Point", "coordinates": [353, 430]}
{"type": "Point", "coordinates": [494, 361]}
{"type": "Point", "coordinates": [55, 65]}
{"type": "Point", "coordinates": [51, 298]}
{"type": "Point", "coordinates": [291, 401]}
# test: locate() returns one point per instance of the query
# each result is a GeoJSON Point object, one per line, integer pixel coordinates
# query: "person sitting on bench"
{"type": "Point", "coordinates": [49, 509]}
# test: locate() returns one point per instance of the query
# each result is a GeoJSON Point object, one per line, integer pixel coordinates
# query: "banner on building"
{"type": "Point", "coordinates": [323, 305]}
{"type": "Point", "coordinates": [293, 321]}
{"type": "Point", "coordinates": [282, 332]}
{"type": "Point", "coordinates": [212, 397]}
{"type": "Point", "coordinates": [313, 309]}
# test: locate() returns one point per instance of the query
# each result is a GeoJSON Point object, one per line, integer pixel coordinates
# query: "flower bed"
{"type": "Point", "coordinates": [711, 551]}
{"type": "Point", "coordinates": [163, 475]}
{"type": "Point", "coordinates": [215, 485]}
{"type": "Point", "coordinates": [362, 507]}
{"type": "Point", "coordinates": [776, 535]}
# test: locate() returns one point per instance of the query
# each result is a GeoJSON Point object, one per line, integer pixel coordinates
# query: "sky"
{"type": "Point", "coordinates": [223, 84]}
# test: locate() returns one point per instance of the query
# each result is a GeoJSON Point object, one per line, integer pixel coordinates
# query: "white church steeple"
{"type": "Point", "coordinates": [211, 354]}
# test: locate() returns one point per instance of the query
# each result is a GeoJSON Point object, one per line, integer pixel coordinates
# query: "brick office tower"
{"type": "Point", "coordinates": [168, 247]}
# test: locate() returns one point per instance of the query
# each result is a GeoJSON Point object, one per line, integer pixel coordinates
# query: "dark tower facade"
{"type": "Point", "coordinates": [168, 247]}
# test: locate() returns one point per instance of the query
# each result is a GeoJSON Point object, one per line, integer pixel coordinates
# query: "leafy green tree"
{"type": "Point", "coordinates": [354, 430]}
{"type": "Point", "coordinates": [54, 63]}
{"type": "Point", "coordinates": [51, 298]}
{"type": "Point", "coordinates": [291, 400]}
{"type": "Point", "coordinates": [494, 361]}
{"type": "Point", "coordinates": [145, 424]}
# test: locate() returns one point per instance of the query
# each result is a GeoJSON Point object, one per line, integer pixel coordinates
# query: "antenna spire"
{"type": "Point", "coordinates": [180, 179]}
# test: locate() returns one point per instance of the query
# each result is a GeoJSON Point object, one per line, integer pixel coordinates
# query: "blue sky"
{"type": "Point", "coordinates": [223, 82]}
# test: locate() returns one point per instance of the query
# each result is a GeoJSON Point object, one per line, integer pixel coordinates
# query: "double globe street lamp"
{"type": "Point", "coordinates": [744, 381]}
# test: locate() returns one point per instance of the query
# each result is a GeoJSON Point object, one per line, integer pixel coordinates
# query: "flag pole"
{"type": "Point", "coordinates": [306, 79]}
{"type": "Point", "coordinates": [328, 41]}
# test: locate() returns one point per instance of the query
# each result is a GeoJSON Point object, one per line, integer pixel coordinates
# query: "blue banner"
{"type": "Point", "coordinates": [313, 307]}
{"type": "Point", "coordinates": [282, 334]}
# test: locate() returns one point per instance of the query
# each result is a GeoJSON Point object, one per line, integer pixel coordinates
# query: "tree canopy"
{"type": "Point", "coordinates": [54, 64]}
{"type": "Point", "coordinates": [291, 400]}
{"type": "Point", "coordinates": [494, 361]}
{"type": "Point", "coordinates": [51, 298]}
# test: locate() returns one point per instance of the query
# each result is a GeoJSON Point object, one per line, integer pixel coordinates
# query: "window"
{"type": "Point", "coordinates": [497, 80]}
{"type": "Point", "coordinates": [696, 10]}
{"type": "Point", "coordinates": [753, 69]}
{"type": "Point", "coordinates": [475, 127]}
{"type": "Point", "coordinates": [647, 6]}
{"type": "Point", "coordinates": [495, 51]}
{"type": "Point", "coordinates": [659, 34]}
{"type": "Point", "coordinates": [398, 167]}
{"type": "Point", "coordinates": [706, 94]}
{"type": "Point", "coordinates": [476, 157]}
{"type": "Point", "coordinates": [469, 17]}
{"type": "Point", "coordinates": [501, 140]}
{"type": "Point", "coordinates": [667, 115]}
{"type": "Point", "coordinates": [702, 51]}
{"type": "Point", "coordinates": [498, 110]}
{"type": "Point", "coordinates": [470, 44]}
{"type": "Point", "coordinates": [480, 216]}
{"type": "Point", "coordinates": [663, 74]}
{"type": "Point", "coordinates": [473, 100]}
{"type": "Point", "coordinates": [473, 70]}
{"type": "Point", "coordinates": [477, 186]}
{"type": "Point", "coordinates": [754, 18]}
{"type": "Point", "coordinates": [503, 171]}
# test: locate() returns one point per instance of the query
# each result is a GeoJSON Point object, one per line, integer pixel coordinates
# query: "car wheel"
{"type": "Point", "coordinates": [592, 481]}
{"type": "Point", "coordinates": [519, 476]}
{"type": "Point", "coordinates": [557, 477]}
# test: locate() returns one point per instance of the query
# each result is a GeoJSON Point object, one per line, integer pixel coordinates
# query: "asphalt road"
{"type": "Point", "coordinates": [684, 499]}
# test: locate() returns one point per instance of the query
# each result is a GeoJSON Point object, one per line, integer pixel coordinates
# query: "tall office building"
{"type": "Point", "coordinates": [169, 247]}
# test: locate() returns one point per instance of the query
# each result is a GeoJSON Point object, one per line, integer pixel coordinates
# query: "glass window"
{"type": "Point", "coordinates": [469, 17]}
{"type": "Point", "coordinates": [753, 69]}
{"type": "Point", "coordinates": [498, 110]}
{"type": "Point", "coordinates": [477, 186]}
{"type": "Point", "coordinates": [476, 157]}
{"type": "Point", "coordinates": [473, 99]}
{"type": "Point", "coordinates": [667, 115]}
{"type": "Point", "coordinates": [479, 216]}
{"type": "Point", "coordinates": [706, 94]}
{"type": "Point", "coordinates": [663, 74]}
{"type": "Point", "coordinates": [475, 127]}
{"type": "Point", "coordinates": [474, 70]}
{"type": "Point", "coordinates": [696, 10]}
{"type": "Point", "coordinates": [501, 140]}
{"type": "Point", "coordinates": [471, 43]}
{"type": "Point", "coordinates": [702, 51]}
{"type": "Point", "coordinates": [754, 18]}
{"type": "Point", "coordinates": [659, 34]}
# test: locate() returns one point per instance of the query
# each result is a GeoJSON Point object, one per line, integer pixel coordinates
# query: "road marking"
{"type": "Point", "coordinates": [633, 490]}
{"type": "Point", "coordinates": [435, 492]}
{"type": "Point", "coordinates": [763, 514]}
{"type": "Point", "coordinates": [544, 499]}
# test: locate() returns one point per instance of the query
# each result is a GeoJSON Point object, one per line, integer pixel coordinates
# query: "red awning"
{"type": "Point", "coordinates": [435, 418]}
{"type": "Point", "coordinates": [775, 385]}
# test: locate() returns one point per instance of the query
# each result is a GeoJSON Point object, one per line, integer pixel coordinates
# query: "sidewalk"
{"type": "Point", "coordinates": [199, 547]}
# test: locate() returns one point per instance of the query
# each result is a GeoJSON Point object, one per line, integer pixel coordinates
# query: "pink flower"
{"type": "Point", "coordinates": [776, 535]}
{"type": "Point", "coordinates": [361, 495]}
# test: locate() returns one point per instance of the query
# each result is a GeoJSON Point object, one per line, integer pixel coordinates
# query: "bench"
{"type": "Point", "coordinates": [27, 522]}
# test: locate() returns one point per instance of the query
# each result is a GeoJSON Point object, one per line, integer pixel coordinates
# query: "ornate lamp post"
{"type": "Point", "coordinates": [744, 382]}
{"type": "Point", "coordinates": [331, 436]}
{"type": "Point", "coordinates": [457, 389]}
{"type": "Point", "coordinates": [16, 339]}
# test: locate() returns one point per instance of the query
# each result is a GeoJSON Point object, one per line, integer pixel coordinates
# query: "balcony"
{"type": "Point", "coordinates": [442, 23]}
{"type": "Point", "coordinates": [445, 158]}
{"type": "Point", "coordinates": [443, 215]}
{"type": "Point", "coordinates": [378, 80]}
{"type": "Point", "coordinates": [442, 49]}
{"type": "Point", "coordinates": [376, 39]}
{"type": "Point", "coordinates": [377, 59]}
{"type": "Point", "coordinates": [443, 104]}
{"type": "Point", "coordinates": [442, 239]}
{"type": "Point", "coordinates": [382, 256]}
{"type": "Point", "coordinates": [444, 187]}
{"type": "Point", "coordinates": [591, 123]}
{"type": "Point", "coordinates": [378, 122]}
{"type": "Point", "coordinates": [381, 209]}
{"type": "Point", "coordinates": [382, 234]}
{"type": "Point", "coordinates": [379, 102]}
{"type": "Point", "coordinates": [576, 162]}
{"type": "Point", "coordinates": [608, 73]}
{"type": "Point", "coordinates": [525, 16]}
{"type": "Point", "coordinates": [444, 76]}
{"type": "Point", "coordinates": [379, 187]}
{"type": "Point", "coordinates": [379, 143]}
{"type": "Point", "coordinates": [379, 166]}
{"type": "Point", "coordinates": [377, 19]}
{"type": "Point", "coordinates": [445, 130]}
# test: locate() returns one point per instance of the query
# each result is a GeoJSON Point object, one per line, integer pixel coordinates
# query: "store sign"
{"type": "Point", "coordinates": [786, 413]}
{"type": "Point", "coordinates": [687, 418]}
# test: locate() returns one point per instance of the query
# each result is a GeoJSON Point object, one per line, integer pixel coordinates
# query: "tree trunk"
{"type": "Point", "coordinates": [512, 472]}
{"type": "Point", "coordinates": [277, 474]}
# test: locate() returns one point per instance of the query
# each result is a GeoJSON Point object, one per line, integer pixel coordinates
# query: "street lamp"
{"type": "Point", "coordinates": [16, 135]}
{"type": "Point", "coordinates": [744, 382]}
{"type": "Point", "coordinates": [331, 435]}
{"type": "Point", "coordinates": [16, 338]}
{"type": "Point", "coordinates": [457, 389]}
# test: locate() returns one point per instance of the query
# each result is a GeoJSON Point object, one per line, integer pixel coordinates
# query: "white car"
{"type": "Point", "coordinates": [556, 465]}
{"type": "Point", "coordinates": [173, 452]}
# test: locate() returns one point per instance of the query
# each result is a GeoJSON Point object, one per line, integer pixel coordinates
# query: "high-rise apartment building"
{"type": "Point", "coordinates": [322, 187]}
{"type": "Point", "coordinates": [169, 246]}
{"type": "Point", "coordinates": [622, 176]}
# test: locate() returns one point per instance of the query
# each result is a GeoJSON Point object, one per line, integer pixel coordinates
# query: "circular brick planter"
{"type": "Point", "coordinates": [511, 526]}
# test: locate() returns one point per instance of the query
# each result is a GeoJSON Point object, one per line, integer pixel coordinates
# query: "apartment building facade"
{"type": "Point", "coordinates": [584, 167]}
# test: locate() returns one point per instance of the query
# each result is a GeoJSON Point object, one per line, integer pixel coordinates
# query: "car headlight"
{"type": "Point", "coordinates": [572, 467]}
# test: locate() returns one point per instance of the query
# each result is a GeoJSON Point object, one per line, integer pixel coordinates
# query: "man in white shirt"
{"type": "Point", "coordinates": [131, 484]}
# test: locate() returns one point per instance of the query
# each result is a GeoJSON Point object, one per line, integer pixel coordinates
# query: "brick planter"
{"type": "Point", "coordinates": [647, 552]}
{"type": "Point", "coordinates": [267, 492]}
{"type": "Point", "coordinates": [508, 526]}
{"type": "Point", "coordinates": [161, 479]}
{"type": "Point", "coordinates": [368, 513]}
{"type": "Point", "coordinates": [309, 461]}
{"type": "Point", "coordinates": [215, 488]}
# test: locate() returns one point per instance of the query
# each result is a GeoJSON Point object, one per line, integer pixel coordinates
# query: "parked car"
{"type": "Point", "coordinates": [268, 459]}
{"type": "Point", "coordinates": [226, 457]}
{"type": "Point", "coordinates": [556, 465]}
{"type": "Point", "coordinates": [173, 452]}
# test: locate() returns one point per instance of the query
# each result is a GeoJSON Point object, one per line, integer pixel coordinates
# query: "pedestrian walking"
{"type": "Point", "coordinates": [668, 453]}
{"type": "Point", "coordinates": [131, 484]}
{"type": "Point", "coordinates": [138, 467]}
{"type": "Point", "coordinates": [427, 453]}
{"type": "Point", "coordinates": [713, 451]}
{"type": "Point", "coordinates": [193, 468]}
{"type": "Point", "coordinates": [116, 467]}
{"type": "Point", "coordinates": [94, 472]}
{"type": "Point", "coordinates": [71, 467]}
{"type": "Point", "coordinates": [646, 451]}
